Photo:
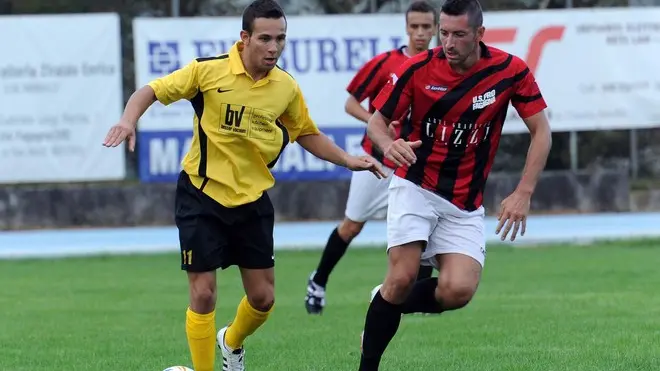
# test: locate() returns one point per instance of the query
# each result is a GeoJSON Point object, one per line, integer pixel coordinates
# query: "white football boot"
{"type": "Point", "coordinates": [232, 359]}
{"type": "Point", "coordinates": [315, 297]}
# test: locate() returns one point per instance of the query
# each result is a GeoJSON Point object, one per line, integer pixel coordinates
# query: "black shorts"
{"type": "Point", "coordinates": [213, 236]}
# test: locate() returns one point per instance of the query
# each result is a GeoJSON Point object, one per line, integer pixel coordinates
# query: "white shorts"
{"type": "Point", "coordinates": [367, 196]}
{"type": "Point", "coordinates": [416, 214]}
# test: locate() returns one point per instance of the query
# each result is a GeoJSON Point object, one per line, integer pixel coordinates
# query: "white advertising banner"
{"type": "Point", "coordinates": [60, 91]}
{"type": "Point", "coordinates": [596, 67]}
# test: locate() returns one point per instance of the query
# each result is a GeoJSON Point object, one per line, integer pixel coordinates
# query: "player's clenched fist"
{"type": "Point", "coordinates": [402, 152]}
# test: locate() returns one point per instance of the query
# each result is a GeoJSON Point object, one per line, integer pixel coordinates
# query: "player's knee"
{"type": "Point", "coordinates": [397, 285]}
{"type": "Point", "coordinates": [455, 294]}
{"type": "Point", "coordinates": [262, 299]}
{"type": "Point", "coordinates": [349, 229]}
{"type": "Point", "coordinates": [203, 297]}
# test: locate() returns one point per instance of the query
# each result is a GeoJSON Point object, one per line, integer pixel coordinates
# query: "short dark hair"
{"type": "Point", "coordinates": [261, 9]}
{"type": "Point", "coordinates": [422, 6]}
{"type": "Point", "coordinates": [470, 7]}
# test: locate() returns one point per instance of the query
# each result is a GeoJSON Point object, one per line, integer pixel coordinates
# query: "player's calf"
{"type": "Point", "coordinates": [425, 271]}
{"type": "Point", "coordinates": [253, 310]}
{"type": "Point", "coordinates": [200, 319]}
{"type": "Point", "coordinates": [334, 250]}
{"type": "Point", "coordinates": [349, 229]}
{"type": "Point", "coordinates": [384, 314]}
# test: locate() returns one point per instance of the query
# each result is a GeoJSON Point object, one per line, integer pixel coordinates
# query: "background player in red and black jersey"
{"type": "Point", "coordinates": [458, 95]}
{"type": "Point", "coordinates": [367, 199]}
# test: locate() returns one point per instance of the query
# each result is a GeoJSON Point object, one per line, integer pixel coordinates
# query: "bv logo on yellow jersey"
{"type": "Point", "coordinates": [233, 118]}
{"type": "Point", "coordinates": [248, 122]}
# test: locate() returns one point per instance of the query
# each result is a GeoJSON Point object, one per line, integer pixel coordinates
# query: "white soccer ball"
{"type": "Point", "coordinates": [178, 368]}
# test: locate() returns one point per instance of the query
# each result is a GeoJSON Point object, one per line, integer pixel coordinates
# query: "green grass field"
{"type": "Point", "coordinates": [552, 308]}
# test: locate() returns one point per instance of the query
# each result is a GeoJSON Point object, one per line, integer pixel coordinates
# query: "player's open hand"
{"type": "Point", "coordinates": [362, 163]}
{"type": "Point", "coordinates": [513, 212]}
{"type": "Point", "coordinates": [402, 152]}
{"type": "Point", "coordinates": [119, 133]}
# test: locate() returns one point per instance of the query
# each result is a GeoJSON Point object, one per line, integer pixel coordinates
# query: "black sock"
{"type": "Point", "coordinates": [380, 326]}
{"type": "Point", "coordinates": [425, 271]}
{"type": "Point", "coordinates": [422, 298]}
{"type": "Point", "coordinates": [334, 250]}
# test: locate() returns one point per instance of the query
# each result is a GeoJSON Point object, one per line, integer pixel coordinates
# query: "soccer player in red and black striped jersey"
{"type": "Point", "coordinates": [458, 94]}
{"type": "Point", "coordinates": [367, 199]}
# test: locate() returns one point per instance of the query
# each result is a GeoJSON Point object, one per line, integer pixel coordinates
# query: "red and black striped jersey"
{"type": "Point", "coordinates": [458, 117]}
{"type": "Point", "coordinates": [367, 83]}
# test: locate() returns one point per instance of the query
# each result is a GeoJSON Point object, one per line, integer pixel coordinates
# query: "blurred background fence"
{"type": "Point", "coordinates": [598, 73]}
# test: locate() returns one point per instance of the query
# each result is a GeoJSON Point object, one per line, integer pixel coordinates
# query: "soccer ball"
{"type": "Point", "coordinates": [178, 368]}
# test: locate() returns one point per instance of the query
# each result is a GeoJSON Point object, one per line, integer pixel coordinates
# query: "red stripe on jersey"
{"type": "Point", "coordinates": [486, 151]}
{"type": "Point", "coordinates": [488, 122]}
{"type": "Point", "coordinates": [459, 119]}
{"type": "Point", "coordinates": [476, 195]}
{"type": "Point", "coordinates": [367, 79]}
{"type": "Point", "coordinates": [367, 83]}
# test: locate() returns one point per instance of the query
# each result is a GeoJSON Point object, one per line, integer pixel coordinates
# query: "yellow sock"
{"type": "Point", "coordinates": [247, 321]}
{"type": "Point", "coordinates": [200, 330]}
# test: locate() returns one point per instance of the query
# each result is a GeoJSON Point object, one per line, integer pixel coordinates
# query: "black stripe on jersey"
{"type": "Point", "coordinates": [406, 127]}
{"type": "Point", "coordinates": [285, 141]}
{"type": "Point", "coordinates": [481, 160]}
{"type": "Point", "coordinates": [390, 105]}
{"type": "Point", "coordinates": [522, 98]}
{"type": "Point", "coordinates": [436, 114]}
{"type": "Point", "coordinates": [482, 153]}
{"type": "Point", "coordinates": [450, 164]}
{"type": "Point", "coordinates": [215, 58]}
{"type": "Point", "coordinates": [525, 99]}
{"type": "Point", "coordinates": [204, 183]}
{"type": "Point", "coordinates": [198, 105]}
{"type": "Point", "coordinates": [367, 81]}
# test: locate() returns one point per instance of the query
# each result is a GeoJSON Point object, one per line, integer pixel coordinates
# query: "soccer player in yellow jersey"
{"type": "Point", "coordinates": [246, 110]}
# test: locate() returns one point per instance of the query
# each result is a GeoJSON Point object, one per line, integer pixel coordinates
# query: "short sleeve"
{"type": "Point", "coordinates": [527, 98]}
{"type": "Point", "coordinates": [396, 95]}
{"type": "Point", "coordinates": [180, 84]}
{"type": "Point", "coordinates": [296, 117]}
{"type": "Point", "coordinates": [367, 80]}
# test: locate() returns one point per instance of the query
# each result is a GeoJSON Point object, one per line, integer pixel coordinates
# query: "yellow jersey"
{"type": "Point", "coordinates": [240, 126]}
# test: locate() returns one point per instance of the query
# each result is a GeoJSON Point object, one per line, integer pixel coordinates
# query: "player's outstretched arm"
{"type": "Point", "coordinates": [322, 147]}
{"type": "Point", "coordinates": [180, 84]}
{"type": "Point", "coordinates": [136, 106]}
{"type": "Point", "coordinates": [514, 209]}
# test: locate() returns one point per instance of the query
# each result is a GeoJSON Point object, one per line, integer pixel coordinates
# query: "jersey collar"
{"type": "Point", "coordinates": [238, 68]}
{"type": "Point", "coordinates": [485, 53]}
{"type": "Point", "coordinates": [403, 49]}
